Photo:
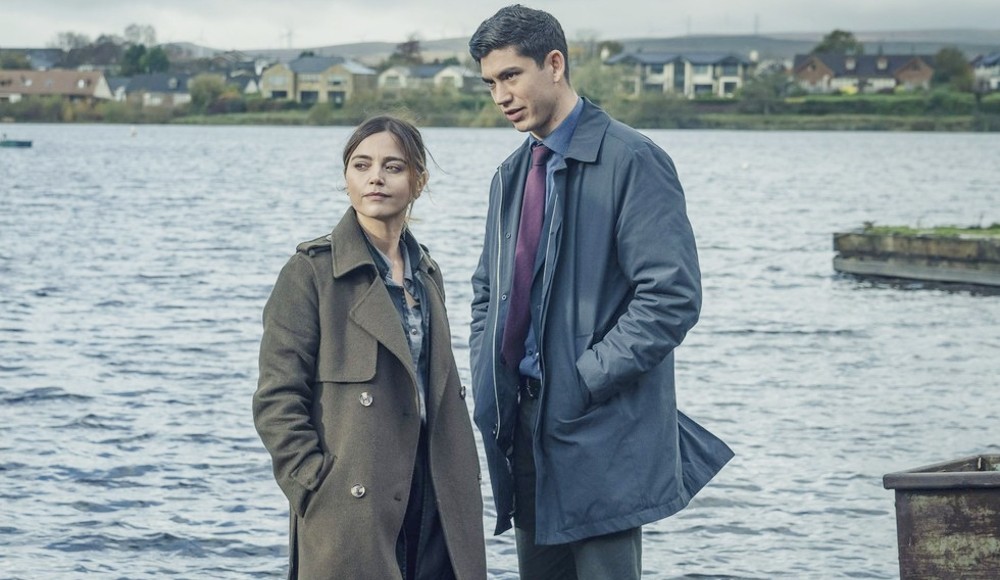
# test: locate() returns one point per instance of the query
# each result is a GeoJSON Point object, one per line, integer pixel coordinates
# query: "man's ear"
{"type": "Point", "coordinates": [557, 61]}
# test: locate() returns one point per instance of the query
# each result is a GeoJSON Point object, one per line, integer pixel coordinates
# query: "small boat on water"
{"type": "Point", "coordinates": [5, 142]}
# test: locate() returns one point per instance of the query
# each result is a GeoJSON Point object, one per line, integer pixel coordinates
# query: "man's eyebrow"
{"type": "Point", "coordinates": [510, 69]}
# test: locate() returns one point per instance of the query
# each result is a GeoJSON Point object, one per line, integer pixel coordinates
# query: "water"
{"type": "Point", "coordinates": [133, 271]}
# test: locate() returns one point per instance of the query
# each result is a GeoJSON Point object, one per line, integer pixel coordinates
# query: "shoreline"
{"type": "Point", "coordinates": [711, 121]}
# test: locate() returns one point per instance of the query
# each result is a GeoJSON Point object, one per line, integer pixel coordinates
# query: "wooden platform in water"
{"type": "Point", "coordinates": [960, 255]}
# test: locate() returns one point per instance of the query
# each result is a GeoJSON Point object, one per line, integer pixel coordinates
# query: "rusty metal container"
{"type": "Point", "coordinates": [948, 519]}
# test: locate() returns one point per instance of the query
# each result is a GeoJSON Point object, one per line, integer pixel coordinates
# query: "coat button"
{"type": "Point", "coordinates": [461, 392]}
{"type": "Point", "coordinates": [358, 490]}
{"type": "Point", "coordinates": [494, 430]}
{"type": "Point", "coordinates": [366, 399]}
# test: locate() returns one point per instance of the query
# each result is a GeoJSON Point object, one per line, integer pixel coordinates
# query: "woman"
{"type": "Point", "coordinates": [359, 401]}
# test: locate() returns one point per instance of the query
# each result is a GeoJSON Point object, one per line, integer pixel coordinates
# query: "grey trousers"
{"type": "Point", "coordinates": [617, 555]}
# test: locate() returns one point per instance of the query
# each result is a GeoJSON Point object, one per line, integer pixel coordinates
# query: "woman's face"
{"type": "Point", "coordinates": [379, 182]}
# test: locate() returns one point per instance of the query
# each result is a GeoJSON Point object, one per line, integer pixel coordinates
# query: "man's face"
{"type": "Point", "coordinates": [526, 94]}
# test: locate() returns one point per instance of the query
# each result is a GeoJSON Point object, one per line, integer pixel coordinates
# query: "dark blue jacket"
{"type": "Point", "coordinates": [620, 289]}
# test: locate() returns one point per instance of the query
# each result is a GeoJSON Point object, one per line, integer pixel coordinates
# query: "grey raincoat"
{"type": "Point", "coordinates": [620, 289]}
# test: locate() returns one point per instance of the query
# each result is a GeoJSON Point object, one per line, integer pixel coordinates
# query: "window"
{"type": "Point", "coordinates": [656, 69]}
{"type": "Point", "coordinates": [850, 64]}
{"type": "Point", "coordinates": [730, 70]}
{"type": "Point", "coordinates": [701, 69]}
{"type": "Point", "coordinates": [277, 81]}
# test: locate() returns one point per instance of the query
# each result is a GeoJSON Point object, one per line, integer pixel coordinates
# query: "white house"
{"type": "Point", "coordinates": [691, 74]}
{"type": "Point", "coordinates": [986, 68]}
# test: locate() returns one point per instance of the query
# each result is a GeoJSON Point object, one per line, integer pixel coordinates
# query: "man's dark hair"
{"type": "Point", "coordinates": [533, 33]}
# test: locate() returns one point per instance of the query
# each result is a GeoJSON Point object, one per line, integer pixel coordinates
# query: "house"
{"type": "Point", "coordinates": [246, 85]}
{"type": "Point", "coordinates": [691, 74]}
{"type": "Point", "coordinates": [236, 63]}
{"type": "Point", "coordinates": [986, 71]}
{"type": "Point", "coordinates": [118, 86]}
{"type": "Point", "coordinates": [159, 89]}
{"type": "Point", "coordinates": [317, 79]}
{"type": "Point", "coordinates": [402, 78]}
{"type": "Point", "coordinates": [278, 82]}
{"type": "Point", "coordinates": [864, 73]}
{"type": "Point", "coordinates": [37, 58]}
{"type": "Point", "coordinates": [69, 84]}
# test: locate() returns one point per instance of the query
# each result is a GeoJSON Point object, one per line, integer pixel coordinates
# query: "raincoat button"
{"type": "Point", "coordinates": [366, 399]}
{"type": "Point", "coordinates": [503, 297]}
{"type": "Point", "coordinates": [494, 430]}
{"type": "Point", "coordinates": [358, 490]}
{"type": "Point", "coordinates": [461, 392]}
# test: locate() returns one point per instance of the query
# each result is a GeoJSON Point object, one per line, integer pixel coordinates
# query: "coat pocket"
{"type": "Point", "coordinates": [310, 477]}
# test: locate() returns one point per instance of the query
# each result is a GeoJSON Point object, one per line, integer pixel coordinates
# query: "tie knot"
{"type": "Point", "coordinates": [540, 154]}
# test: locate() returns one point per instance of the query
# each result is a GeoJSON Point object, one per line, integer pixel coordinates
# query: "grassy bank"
{"type": "Point", "coordinates": [935, 111]}
{"type": "Point", "coordinates": [855, 122]}
{"type": "Point", "coordinates": [258, 118]}
{"type": "Point", "coordinates": [990, 231]}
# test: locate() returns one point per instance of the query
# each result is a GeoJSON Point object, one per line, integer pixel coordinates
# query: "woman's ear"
{"type": "Point", "coordinates": [421, 183]}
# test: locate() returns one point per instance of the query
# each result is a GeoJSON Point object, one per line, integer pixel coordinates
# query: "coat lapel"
{"type": "Point", "coordinates": [440, 344]}
{"type": "Point", "coordinates": [373, 311]}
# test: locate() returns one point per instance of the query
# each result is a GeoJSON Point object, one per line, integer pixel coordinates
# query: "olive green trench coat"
{"type": "Point", "coordinates": [337, 408]}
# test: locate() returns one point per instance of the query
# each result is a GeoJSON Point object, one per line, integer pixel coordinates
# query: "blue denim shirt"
{"type": "Point", "coordinates": [558, 141]}
{"type": "Point", "coordinates": [413, 318]}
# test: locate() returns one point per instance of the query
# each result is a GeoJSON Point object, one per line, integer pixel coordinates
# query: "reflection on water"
{"type": "Point", "coordinates": [133, 271]}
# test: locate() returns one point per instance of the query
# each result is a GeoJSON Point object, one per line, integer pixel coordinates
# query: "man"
{"type": "Point", "coordinates": [587, 282]}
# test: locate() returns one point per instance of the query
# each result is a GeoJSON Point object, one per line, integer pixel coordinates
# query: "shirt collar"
{"type": "Point", "coordinates": [558, 141]}
{"type": "Point", "coordinates": [383, 263]}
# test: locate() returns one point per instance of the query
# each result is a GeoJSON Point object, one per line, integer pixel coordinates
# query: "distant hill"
{"type": "Point", "coordinates": [370, 53]}
{"type": "Point", "coordinates": [786, 46]}
{"type": "Point", "coordinates": [772, 46]}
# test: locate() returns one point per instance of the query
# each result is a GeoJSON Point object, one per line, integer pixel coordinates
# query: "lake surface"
{"type": "Point", "coordinates": [133, 271]}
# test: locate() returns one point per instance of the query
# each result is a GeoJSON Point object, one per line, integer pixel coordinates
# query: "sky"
{"type": "Point", "coordinates": [250, 24]}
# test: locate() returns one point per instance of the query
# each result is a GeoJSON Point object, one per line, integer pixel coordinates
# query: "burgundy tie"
{"type": "Point", "coordinates": [528, 234]}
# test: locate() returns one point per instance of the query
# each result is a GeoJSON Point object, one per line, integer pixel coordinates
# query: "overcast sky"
{"type": "Point", "coordinates": [248, 24]}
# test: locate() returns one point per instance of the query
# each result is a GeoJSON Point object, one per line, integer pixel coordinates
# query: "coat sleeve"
{"type": "Point", "coordinates": [283, 401]}
{"type": "Point", "coordinates": [656, 251]}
